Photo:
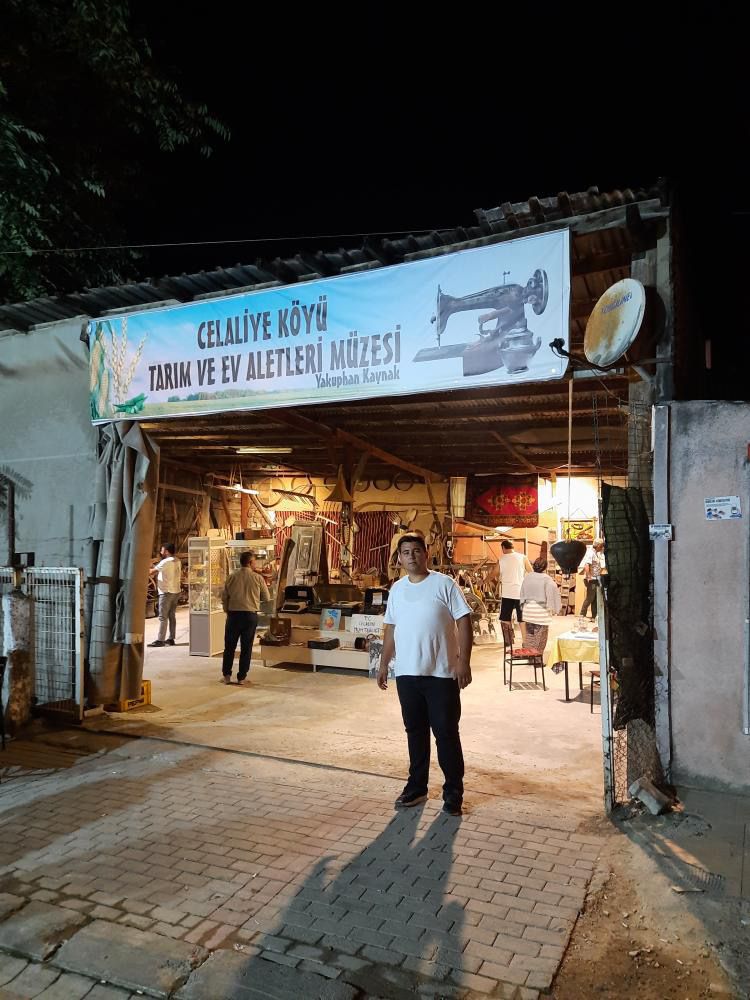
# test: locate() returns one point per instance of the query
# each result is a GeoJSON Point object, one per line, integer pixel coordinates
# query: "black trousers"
{"type": "Point", "coordinates": [432, 703]}
{"type": "Point", "coordinates": [590, 598]}
{"type": "Point", "coordinates": [240, 625]}
{"type": "Point", "coordinates": [507, 606]}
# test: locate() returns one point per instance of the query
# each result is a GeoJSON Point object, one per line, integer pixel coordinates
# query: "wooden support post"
{"type": "Point", "coordinates": [347, 508]}
{"type": "Point", "coordinates": [244, 510]}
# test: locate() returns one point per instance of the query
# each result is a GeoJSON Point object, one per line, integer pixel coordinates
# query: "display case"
{"type": "Point", "coordinates": [207, 571]}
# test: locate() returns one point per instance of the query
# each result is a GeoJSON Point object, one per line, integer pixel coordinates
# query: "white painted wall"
{"type": "Point", "coordinates": [46, 436]}
{"type": "Point", "coordinates": [709, 594]}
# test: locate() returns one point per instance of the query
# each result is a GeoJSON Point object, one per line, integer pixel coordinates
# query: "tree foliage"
{"type": "Point", "coordinates": [84, 114]}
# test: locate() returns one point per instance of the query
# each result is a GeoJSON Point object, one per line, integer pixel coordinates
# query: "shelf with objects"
{"type": "Point", "coordinates": [353, 636]}
{"type": "Point", "coordinates": [207, 570]}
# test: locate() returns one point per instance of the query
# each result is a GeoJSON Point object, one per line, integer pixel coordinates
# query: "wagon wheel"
{"type": "Point", "coordinates": [267, 495]}
{"type": "Point", "coordinates": [362, 485]}
{"type": "Point", "coordinates": [302, 484]}
{"type": "Point", "coordinates": [403, 482]}
{"type": "Point", "coordinates": [382, 483]}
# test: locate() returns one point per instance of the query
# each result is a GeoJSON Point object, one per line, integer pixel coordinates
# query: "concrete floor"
{"type": "Point", "coordinates": [525, 744]}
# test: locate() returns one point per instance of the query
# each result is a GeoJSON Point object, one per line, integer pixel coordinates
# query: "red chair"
{"type": "Point", "coordinates": [528, 655]}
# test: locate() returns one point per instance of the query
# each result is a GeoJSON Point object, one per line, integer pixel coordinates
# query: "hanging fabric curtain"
{"type": "Point", "coordinates": [122, 529]}
{"type": "Point", "coordinates": [373, 540]}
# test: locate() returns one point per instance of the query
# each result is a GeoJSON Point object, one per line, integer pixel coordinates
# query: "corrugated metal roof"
{"type": "Point", "coordinates": [507, 219]}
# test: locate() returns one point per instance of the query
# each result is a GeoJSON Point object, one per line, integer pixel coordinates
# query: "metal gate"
{"type": "Point", "coordinates": [57, 593]}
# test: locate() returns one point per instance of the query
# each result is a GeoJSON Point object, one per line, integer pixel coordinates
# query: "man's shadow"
{"type": "Point", "coordinates": [382, 918]}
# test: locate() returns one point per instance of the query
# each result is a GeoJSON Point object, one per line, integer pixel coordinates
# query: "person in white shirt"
{"type": "Point", "coordinates": [512, 567]}
{"type": "Point", "coordinates": [592, 567]}
{"type": "Point", "coordinates": [428, 630]}
{"type": "Point", "coordinates": [168, 572]}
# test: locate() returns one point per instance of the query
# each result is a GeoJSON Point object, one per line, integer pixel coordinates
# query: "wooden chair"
{"type": "Point", "coordinates": [528, 655]}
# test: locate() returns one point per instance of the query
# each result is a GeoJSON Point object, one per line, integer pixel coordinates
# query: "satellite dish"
{"type": "Point", "coordinates": [614, 323]}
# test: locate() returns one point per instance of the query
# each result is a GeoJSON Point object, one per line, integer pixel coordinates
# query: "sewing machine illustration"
{"type": "Point", "coordinates": [504, 337]}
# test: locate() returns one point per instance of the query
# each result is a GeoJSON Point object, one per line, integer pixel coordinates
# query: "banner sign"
{"type": "Point", "coordinates": [503, 501]}
{"type": "Point", "coordinates": [476, 317]}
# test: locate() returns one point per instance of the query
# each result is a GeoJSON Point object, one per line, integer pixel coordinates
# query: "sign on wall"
{"type": "Point", "coordinates": [476, 317]}
{"type": "Point", "coordinates": [580, 530]}
{"type": "Point", "coordinates": [722, 508]}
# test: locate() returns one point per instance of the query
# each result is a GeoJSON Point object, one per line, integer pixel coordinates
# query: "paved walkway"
{"type": "Point", "coordinates": [201, 873]}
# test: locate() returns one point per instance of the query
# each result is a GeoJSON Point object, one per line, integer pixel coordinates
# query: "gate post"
{"type": "Point", "coordinates": [18, 644]}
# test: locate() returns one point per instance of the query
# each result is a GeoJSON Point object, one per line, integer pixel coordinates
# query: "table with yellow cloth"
{"type": "Point", "coordinates": [576, 647]}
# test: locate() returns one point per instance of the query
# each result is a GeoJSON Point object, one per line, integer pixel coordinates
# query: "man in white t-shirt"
{"type": "Point", "coordinates": [168, 572]}
{"type": "Point", "coordinates": [513, 567]}
{"type": "Point", "coordinates": [428, 630]}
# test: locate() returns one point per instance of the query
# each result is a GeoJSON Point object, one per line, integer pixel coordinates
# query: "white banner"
{"type": "Point", "coordinates": [475, 317]}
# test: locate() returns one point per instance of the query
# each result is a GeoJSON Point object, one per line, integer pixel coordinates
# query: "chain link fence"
{"type": "Point", "coordinates": [626, 514]}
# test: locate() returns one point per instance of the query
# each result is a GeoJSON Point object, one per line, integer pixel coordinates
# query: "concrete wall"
{"type": "Point", "coordinates": [709, 594]}
{"type": "Point", "coordinates": [47, 439]}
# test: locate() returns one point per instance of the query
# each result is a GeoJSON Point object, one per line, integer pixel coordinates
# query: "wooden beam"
{"type": "Point", "coordinates": [261, 510]}
{"type": "Point", "coordinates": [244, 510]}
{"type": "Point", "coordinates": [227, 512]}
{"type": "Point", "coordinates": [169, 488]}
{"type": "Point", "coordinates": [294, 419]}
{"type": "Point", "coordinates": [513, 451]}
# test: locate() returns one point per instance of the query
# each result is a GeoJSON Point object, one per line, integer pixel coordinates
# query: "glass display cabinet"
{"type": "Point", "coordinates": [207, 570]}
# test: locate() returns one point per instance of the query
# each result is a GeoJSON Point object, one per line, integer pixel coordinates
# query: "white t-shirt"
{"type": "Point", "coordinates": [512, 571]}
{"type": "Point", "coordinates": [595, 560]}
{"type": "Point", "coordinates": [169, 575]}
{"type": "Point", "coordinates": [424, 615]}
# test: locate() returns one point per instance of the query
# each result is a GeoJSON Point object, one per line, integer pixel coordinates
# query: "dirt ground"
{"type": "Point", "coordinates": [639, 939]}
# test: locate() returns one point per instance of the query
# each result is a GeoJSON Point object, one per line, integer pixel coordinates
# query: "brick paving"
{"type": "Point", "coordinates": [304, 867]}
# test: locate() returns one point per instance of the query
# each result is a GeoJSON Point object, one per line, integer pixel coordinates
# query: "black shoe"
{"type": "Point", "coordinates": [169, 642]}
{"type": "Point", "coordinates": [157, 642]}
{"type": "Point", "coordinates": [453, 808]}
{"type": "Point", "coordinates": [406, 801]}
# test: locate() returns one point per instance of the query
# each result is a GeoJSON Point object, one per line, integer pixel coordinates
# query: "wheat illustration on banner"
{"type": "Point", "coordinates": [112, 371]}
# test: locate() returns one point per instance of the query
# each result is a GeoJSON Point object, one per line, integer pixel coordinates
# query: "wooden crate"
{"type": "Point", "coordinates": [143, 699]}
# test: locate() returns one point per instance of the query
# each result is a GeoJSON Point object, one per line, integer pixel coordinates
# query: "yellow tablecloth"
{"type": "Point", "coordinates": [574, 648]}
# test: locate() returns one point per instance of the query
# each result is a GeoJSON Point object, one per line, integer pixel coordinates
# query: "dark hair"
{"type": "Point", "coordinates": [506, 544]}
{"type": "Point", "coordinates": [414, 539]}
{"type": "Point", "coordinates": [169, 547]}
{"type": "Point", "coordinates": [246, 558]}
{"type": "Point", "coordinates": [539, 565]}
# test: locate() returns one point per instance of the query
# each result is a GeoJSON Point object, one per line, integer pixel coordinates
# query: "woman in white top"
{"type": "Point", "coordinates": [540, 597]}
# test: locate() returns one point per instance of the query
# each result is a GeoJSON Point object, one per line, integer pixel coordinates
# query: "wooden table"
{"type": "Point", "coordinates": [580, 647]}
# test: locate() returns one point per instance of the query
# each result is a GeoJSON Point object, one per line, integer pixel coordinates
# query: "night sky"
{"type": "Point", "coordinates": [330, 136]}
{"type": "Point", "coordinates": [359, 127]}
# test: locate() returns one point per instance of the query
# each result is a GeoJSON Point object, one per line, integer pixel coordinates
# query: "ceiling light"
{"type": "Point", "coordinates": [264, 449]}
